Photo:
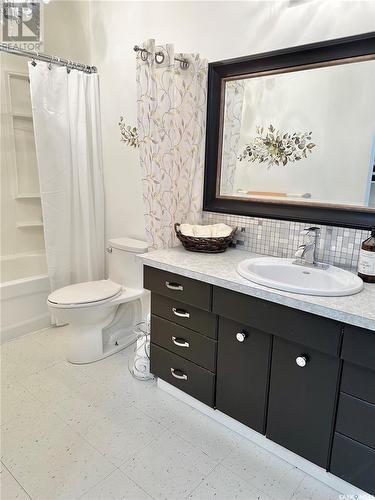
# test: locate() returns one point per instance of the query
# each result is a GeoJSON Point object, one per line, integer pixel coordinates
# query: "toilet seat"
{"type": "Point", "coordinates": [87, 293]}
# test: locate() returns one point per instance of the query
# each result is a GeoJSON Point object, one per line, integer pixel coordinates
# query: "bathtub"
{"type": "Point", "coordinates": [24, 289]}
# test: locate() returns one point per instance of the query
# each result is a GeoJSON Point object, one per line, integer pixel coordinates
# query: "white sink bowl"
{"type": "Point", "coordinates": [282, 274]}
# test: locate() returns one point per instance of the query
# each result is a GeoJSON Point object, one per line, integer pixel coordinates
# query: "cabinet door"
{"type": "Point", "coordinates": [302, 398]}
{"type": "Point", "coordinates": [242, 373]}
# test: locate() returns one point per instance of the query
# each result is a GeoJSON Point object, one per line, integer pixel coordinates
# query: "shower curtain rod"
{"type": "Point", "coordinates": [39, 56]}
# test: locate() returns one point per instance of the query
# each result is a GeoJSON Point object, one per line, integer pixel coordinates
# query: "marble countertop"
{"type": "Point", "coordinates": [220, 269]}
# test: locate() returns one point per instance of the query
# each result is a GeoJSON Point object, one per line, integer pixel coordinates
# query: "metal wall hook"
{"type": "Point", "coordinates": [144, 52]}
{"type": "Point", "coordinates": [184, 63]}
{"type": "Point", "coordinates": [159, 57]}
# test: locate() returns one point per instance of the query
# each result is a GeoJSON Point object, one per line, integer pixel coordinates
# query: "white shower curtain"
{"type": "Point", "coordinates": [171, 125]}
{"type": "Point", "coordinates": [66, 116]}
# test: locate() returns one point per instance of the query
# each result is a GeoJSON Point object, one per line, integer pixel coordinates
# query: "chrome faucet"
{"type": "Point", "coordinates": [307, 254]}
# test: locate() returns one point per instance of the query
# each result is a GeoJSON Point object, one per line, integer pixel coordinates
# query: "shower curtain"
{"type": "Point", "coordinates": [66, 117]}
{"type": "Point", "coordinates": [171, 126]}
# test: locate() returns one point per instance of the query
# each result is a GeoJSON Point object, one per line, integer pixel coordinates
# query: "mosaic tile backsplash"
{"type": "Point", "coordinates": [337, 246]}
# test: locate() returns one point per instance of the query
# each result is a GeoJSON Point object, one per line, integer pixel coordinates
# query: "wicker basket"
{"type": "Point", "coordinates": [205, 245]}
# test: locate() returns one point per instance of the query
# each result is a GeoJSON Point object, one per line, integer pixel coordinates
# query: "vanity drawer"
{"type": "Point", "coordinates": [186, 343]}
{"type": "Point", "coordinates": [303, 328]}
{"type": "Point", "coordinates": [183, 374]}
{"type": "Point", "coordinates": [185, 315]}
{"type": "Point", "coordinates": [353, 462]}
{"type": "Point", "coordinates": [358, 381]}
{"type": "Point", "coordinates": [359, 346]}
{"type": "Point", "coordinates": [356, 419]}
{"type": "Point", "coordinates": [187, 290]}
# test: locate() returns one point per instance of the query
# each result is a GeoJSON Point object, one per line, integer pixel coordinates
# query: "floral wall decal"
{"type": "Point", "coordinates": [129, 134]}
{"type": "Point", "coordinates": [274, 147]}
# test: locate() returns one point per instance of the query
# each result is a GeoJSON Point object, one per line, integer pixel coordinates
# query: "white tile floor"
{"type": "Point", "coordinates": [94, 432]}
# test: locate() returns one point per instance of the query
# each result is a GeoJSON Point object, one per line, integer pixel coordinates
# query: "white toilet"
{"type": "Point", "coordinates": [102, 315]}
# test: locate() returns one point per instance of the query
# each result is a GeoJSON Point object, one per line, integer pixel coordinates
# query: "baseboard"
{"type": "Point", "coordinates": [344, 488]}
{"type": "Point", "coordinates": [25, 327]}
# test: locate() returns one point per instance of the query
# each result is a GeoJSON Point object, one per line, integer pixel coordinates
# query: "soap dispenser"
{"type": "Point", "coordinates": [366, 263]}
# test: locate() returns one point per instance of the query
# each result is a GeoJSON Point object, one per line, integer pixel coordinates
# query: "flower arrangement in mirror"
{"type": "Point", "coordinates": [274, 147]}
{"type": "Point", "coordinates": [129, 134]}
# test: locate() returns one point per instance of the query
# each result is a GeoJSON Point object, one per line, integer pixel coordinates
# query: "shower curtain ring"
{"type": "Point", "coordinates": [53, 59]}
{"type": "Point", "coordinates": [33, 62]}
{"type": "Point", "coordinates": [159, 55]}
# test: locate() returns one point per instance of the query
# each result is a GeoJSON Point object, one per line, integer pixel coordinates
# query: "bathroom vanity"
{"type": "Point", "coordinates": [298, 369]}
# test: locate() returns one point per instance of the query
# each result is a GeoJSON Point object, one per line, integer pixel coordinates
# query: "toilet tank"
{"type": "Point", "coordinates": [123, 265]}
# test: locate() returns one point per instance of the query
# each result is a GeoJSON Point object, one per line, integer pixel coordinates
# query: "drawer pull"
{"type": "Point", "coordinates": [301, 361]}
{"type": "Point", "coordinates": [178, 374]}
{"type": "Point", "coordinates": [181, 313]}
{"type": "Point", "coordinates": [174, 286]}
{"type": "Point", "coordinates": [180, 342]}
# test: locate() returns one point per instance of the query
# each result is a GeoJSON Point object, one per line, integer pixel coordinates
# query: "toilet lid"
{"type": "Point", "coordinates": [81, 293]}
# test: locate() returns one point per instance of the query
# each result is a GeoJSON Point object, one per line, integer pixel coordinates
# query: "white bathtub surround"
{"type": "Point", "coordinates": [94, 432]}
{"type": "Point", "coordinates": [221, 270]}
{"type": "Point", "coordinates": [171, 125]}
{"type": "Point", "coordinates": [23, 294]}
{"type": "Point", "coordinates": [66, 114]}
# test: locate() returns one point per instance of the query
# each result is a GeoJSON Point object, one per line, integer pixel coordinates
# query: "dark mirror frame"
{"type": "Point", "coordinates": [322, 53]}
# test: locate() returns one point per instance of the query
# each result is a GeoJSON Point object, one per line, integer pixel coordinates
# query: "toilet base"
{"type": "Point", "coordinates": [126, 342]}
{"type": "Point", "coordinates": [109, 334]}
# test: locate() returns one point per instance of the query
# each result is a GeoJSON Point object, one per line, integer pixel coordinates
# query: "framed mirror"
{"type": "Point", "coordinates": [291, 134]}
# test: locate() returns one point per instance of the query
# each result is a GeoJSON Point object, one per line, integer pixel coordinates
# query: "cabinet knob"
{"type": "Point", "coordinates": [241, 336]}
{"type": "Point", "coordinates": [301, 360]}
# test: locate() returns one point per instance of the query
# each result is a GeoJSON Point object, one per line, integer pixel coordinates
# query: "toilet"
{"type": "Point", "coordinates": [102, 316]}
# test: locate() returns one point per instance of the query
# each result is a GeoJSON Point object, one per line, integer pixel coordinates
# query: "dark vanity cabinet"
{"type": "Point", "coordinates": [304, 371]}
{"type": "Point", "coordinates": [183, 333]}
{"type": "Point", "coordinates": [353, 451]}
{"type": "Point", "coordinates": [305, 381]}
{"type": "Point", "coordinates": [302, 399]}
{"type": "Point", "coordinates": [243, 373]}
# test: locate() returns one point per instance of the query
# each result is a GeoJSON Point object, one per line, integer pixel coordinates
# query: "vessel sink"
{"type": "Point", "coordinates": [283, 274]}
